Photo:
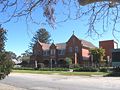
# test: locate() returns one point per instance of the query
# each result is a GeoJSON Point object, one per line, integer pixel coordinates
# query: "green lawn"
{"type": "Point", "coordinates": [60, 72]}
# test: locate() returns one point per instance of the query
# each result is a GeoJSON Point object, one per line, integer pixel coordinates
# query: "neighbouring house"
{"type": "Point", "coordinates": [108, 45]}
{"type": "Point", "coordinates": [56, 54]}
{"type": "Point", "coordinates": [116, 57]}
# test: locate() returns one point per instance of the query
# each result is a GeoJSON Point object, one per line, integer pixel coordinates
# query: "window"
{"type": "Point", "coordinates": [36, 52]}
{"type": "Point", "coordinates": [70, 49]}
{"type": "Point", "coordinates": [61, 52]}
{"type": "Point", "coordinates": [76, 48]}
{"type": "Point", "coordinates": [45, 53]}
{"type": "Point", "coordinates": [52, 52]}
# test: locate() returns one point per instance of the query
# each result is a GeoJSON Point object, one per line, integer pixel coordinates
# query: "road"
{"type": "Point", "coordinates": [59, 82]}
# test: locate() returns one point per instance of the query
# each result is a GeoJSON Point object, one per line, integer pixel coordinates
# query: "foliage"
{"type": "Point", "coordinates": [25, 58]}
{"type": "Point", "coordinates": [42, 69]}
{"type": "Point", "coordinates": [103, 69]}
{"type": "Point", "coordinates": [5, 57]}
{"type": "Point", "coordinates": [114, 72]}
{"type": "Point", "coordinates": [22, 68]}
{"type": "Point", "coordinates": [12, 54]}
{"type": "Point", "coordinates": [2, 39]}
{"type": "Point", "coordinates": [76, 65]}
{"type": "Point", "coordinates": [26, 53]}
{"type": "Point", "coordinates": [98, 54]}
{"type": "Point", "coordinates": [42, 35]}
{"type": "Point", "coordinates": [5, 65]}
{"type": "Point", "coordinates": [85, 69]}
{"type": "Point", "coordinates": [80, 69]}
{"type": "Point", "coordinates": [68, 62]}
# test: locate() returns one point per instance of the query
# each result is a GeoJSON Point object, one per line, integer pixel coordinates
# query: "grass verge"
{"type": "Point", "coordinates": [61, 72]}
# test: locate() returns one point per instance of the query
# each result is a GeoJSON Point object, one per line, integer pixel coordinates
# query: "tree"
{"type": "Point", "coordinates": [2, 39]}
{"type": "Point", "coordinates": [12, 54]}
{"type": "Point", "coordinates": [25, 58]}
{"type": "Point", "coordinates": [68, 62]}
{"type": "Point", "coordinates": [5, 58]}
{"type": "Point", "coordinates": [5, 65]}
{"type": "Point", "coordinates": [105, 12]}
{"type": "Point", "coordinates": [98, 54]}
{"type": "Point", "coordinates": [42, 35]}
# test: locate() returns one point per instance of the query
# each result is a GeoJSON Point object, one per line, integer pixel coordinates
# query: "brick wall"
{"type": "Point", "coordinates": [108, 45]}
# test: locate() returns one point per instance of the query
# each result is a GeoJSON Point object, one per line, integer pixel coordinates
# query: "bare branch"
{"type": "Point", "coordinates": [104, 12]}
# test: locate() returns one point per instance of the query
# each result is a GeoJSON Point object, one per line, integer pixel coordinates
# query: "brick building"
{"type": "Point", "coordinates": [74, 48]}
{"type": "Point", "coordinates": [108, 45]}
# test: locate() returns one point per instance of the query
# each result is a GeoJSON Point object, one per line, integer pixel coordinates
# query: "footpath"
{"type": "Point", "coordinates": [8, 87]}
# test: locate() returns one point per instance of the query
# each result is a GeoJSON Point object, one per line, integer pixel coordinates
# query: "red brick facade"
{"type": "Point", "coordinates": [108, 45]}
{"type": "Point", "coordinates": [74, 48]}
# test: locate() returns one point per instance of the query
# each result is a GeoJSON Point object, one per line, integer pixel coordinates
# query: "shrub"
{"type": "Point", "coordinates": [103, 69]}
{"type": "Point", "coordinates": [53, 69]}
{"type": "Point", "coordinates": [85, 69]}
{"type": "Point", "coordinates": [114, 74]}
{"type": "Point", "coordinates": [117, 69]}
{"type": "Point", "coordinates": [23, 68]}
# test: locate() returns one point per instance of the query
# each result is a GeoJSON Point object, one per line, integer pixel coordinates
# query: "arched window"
{"type": "Point", "coordinates": [76, 48]}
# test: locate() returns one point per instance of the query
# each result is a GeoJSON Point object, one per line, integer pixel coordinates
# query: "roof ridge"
{"type": "Point", "coordinates": [43, 43]}
{"type": "Point", "coordinates": [60, 43]}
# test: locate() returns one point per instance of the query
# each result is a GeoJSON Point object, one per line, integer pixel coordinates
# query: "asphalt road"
{"type": "Point", "coordinates": [59, 82]}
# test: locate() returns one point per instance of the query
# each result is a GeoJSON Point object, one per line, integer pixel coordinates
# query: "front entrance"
{"type": "Point", "coordinates": [61, 63]}
{"type": "Point", "coordinates": [46, 63]}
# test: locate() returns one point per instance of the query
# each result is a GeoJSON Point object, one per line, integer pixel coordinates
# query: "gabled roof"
{"type": "Point", "coordinates": [84, 42]}
{"type": "Point", "coordinates": [87, 44]}
{"type": "Point", "coordinates": [47, 46]}
{"type": "Point", "coordinates": [44, 45]}
{"type": "Point", "coordinates": [61, 46]}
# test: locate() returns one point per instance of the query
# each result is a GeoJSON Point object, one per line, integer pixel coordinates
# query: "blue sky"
{"type": "Point", "coordinates": [19, 35]}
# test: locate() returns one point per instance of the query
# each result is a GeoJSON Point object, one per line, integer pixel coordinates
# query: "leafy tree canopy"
{"type": "Point", "coordinates": [41, 35]}
{"type": "Point", "coordinates": [5, 57]}
{"type": "Point", "coordinates": [2, 39]}
{"type": "Point", "coordinates": [98, 54]}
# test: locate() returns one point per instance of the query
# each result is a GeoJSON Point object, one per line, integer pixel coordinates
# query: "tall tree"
{"type": "Point", "coordinates": [5, 58]}
{"type": "Point", "coordinates": [2, 38]}
{"type": "Point", "coordinates": [42, 35]}
{"type": "Point", "coordinates": [12, 55]}
{"type": "Point", "coordinates": [95, 12]}
{"type": "Point", "coordinates": [98, 54]}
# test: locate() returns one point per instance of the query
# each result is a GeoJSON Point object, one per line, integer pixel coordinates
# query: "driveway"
{"type": "Point", "coordinates": [19, 81]}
